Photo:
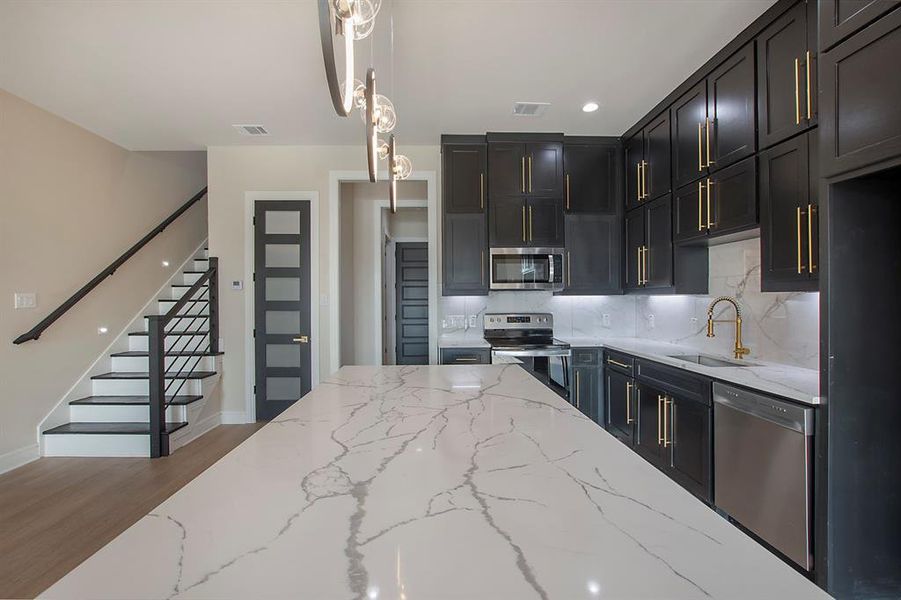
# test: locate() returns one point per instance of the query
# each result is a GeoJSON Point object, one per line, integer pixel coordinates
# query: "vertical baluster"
{"type": "Point", "coordinates": [213, 294]}
{"type": "Point", "coordinates": [156, 345]}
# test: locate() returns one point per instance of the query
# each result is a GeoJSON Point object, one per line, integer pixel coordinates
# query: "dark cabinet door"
{"type": "Point", "coordinates": [841, 18]}
{"type": "Point", "coordinates": [784, 199]}
{"type": "Point", "coordinates": [634, 245]}
{"type": "Point", "coordinates": [689, 214]}
{"type": "Point", "coordinates": [507, 222]}
{"type": "Point", "coordinates": [659, 243]}
{"type": "Point", "coordinates": [731, 201]}
{"type": "Point", "coordinates": [649, 429]}
{"type": "Point", "coordinates": [634, 157]}
{"type": "Point", "coordinates": [690, 133]}
{"type": "Point", "coordinates": [591, 178]}
{"type": "Point", "coordinates": [621, 407]}
{"type": "Point", "coordinates": [688, 439]}
{"type": "Point", "coordinates": [465, 255]}
{"type": "Point", "coordinates": [544, 222]}
{"type": "Point", "coordinates": [657, 152]}
{"type": "Point", "coordinates": [585, 391]}
{"type": "Point", "coordinates": [861, 99]}
{"type": "Point", "coordinates": [465, 168]}
{"type": "Point", "coordinates": [593, 246]}
{"type": "Point", "coordinates": [506, 170]}
{"type": "Point", "coordinates": [544, 169]}
{"type": "Point", "coordinates": [731, 101]}
{"type": "Point", "coordinates": [782, 78]}
{"type": "Point", "coordinates": [465, 356]}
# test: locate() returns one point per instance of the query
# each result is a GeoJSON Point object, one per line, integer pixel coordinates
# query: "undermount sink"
{"type": "Point", "coordinates": [710, 361]}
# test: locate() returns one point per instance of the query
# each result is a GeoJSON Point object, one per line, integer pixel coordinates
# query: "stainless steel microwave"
{"type": "Point", "coordinates": [527, 269]}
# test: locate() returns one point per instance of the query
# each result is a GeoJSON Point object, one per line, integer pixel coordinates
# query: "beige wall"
{"type": "Point", "coordinates": [70, 203]}
{"type": "Point", "coordinates": [236, 170]}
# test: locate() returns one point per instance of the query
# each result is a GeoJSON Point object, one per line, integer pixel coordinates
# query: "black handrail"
{"type": "Point", "coordinates": [38, 329]}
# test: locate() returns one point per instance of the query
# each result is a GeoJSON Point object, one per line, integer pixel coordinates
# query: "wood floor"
{"type": "Point", "coordinates": [56, 512]}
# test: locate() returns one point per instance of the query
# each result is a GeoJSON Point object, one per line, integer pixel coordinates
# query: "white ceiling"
{"type": "Point", "coordinates": [176, 74]}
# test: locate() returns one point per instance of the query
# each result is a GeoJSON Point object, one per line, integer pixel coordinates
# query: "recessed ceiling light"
{"type": "Point", "coordinates": [590, 107]}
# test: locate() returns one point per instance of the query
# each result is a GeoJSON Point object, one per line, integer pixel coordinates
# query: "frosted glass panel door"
{"type": "Point", "coordinates": [281, 305]}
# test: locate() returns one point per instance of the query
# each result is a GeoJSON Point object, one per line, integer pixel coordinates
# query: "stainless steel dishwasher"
{"type": "Point", "coordinates": [763, 468]}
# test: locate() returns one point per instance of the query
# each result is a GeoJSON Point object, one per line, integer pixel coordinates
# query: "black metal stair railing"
{"type": "Point", "coordinates": [186, 352]}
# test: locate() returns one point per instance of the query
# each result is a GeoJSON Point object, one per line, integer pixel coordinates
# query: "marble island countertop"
{"type": "Point", "coordinates": [469, 482]}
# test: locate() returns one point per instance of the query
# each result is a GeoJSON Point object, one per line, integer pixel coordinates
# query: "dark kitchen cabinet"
{"type": "Point", "coordinates": [634, 244]}
{"type": "Point", "coordinates": [688, 439]}
{"type": "Point", "coordinates": [786, 75]}
{"type": "Point", "coordinates": [633, 153]}
{"type": "Point", "coordinates": [592, 175]}
{"type": "Point", "coordinates": [691, 148]}
{"type": "Point", "coordinates": [649, 246]}
{"type": "Point", "coordinates": [525, 169]}
{"type": "Point", "coordinates": [689, 214]}
{"type": "Point", "coordinates": [731, 109]}
{"type": "Point", "coordinates": [464, 167]}
{"type": "Point", "coordinates": [648, 162]}
{"type": "Point", "coordinates": [544, 169]}
{"type": "Point", "coordinates": [592, 261]}
{"type": "Point", "coordinates": [507, 222]}
{"type": "Point", "coordinates": [649, 427]}
{"type": "Point", "coordinates": [465, 356]}
{"type": "Point", "coordinates": [544, 222]}
{"type": "Point", "coordinates": [842, 18]}
{"type": "Point", "coordinates": [861, 98]}
{"type": "Point", "coordinates": [789, 245]}
{"type": "Point", "coordinates": [585, 393]}
{"type": "Point", "coordinates": [465, 255]}
{"type": "Point", "coordinates": [723, 203]}
{"type": "Point", "coordinates": [621, 406]}
{"type": "Point", "coordinates": [507, 170]}
{"type": "Point", "coordinates": [516, 222]}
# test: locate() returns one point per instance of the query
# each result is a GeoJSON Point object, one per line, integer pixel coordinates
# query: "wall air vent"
{"type": "Point", "coordinates": [254, 130]}
{"type": "Point", "coordinates": [530, 109]}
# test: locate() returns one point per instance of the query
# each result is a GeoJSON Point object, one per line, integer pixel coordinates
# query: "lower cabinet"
{"type": "Point", "coordinates": [649, 441]}
{"type": "Point", "coordinates": [689, 439]}
{"type": "Point", "coordinates": [585, 383]}
{"type": "Point", "coordinates": [465, 356]}
{"type": "Point", "coordinates": [621, 393]}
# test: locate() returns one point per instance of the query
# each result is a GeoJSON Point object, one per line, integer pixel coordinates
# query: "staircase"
{"type": "Point", "coordinates": [167, 370]}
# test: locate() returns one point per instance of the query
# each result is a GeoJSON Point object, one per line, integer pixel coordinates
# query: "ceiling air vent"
{"type": "Point", "coordinates": [530, 109]}
{"type": "Point", "coordinates": [254, 130]}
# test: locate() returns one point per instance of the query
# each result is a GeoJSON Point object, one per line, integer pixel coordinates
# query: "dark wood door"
{"type": "Point", "coordinates": [544, 222]}
{"type": "Point", "coordinates": [282, 337]}
{"type": "Point", "coordinates": [841, 18]}
{"type": "Point", "coordinates": [690, 133]}
{"type": "Point", "coordinates": [782, 92]}
{"type": "Point", "coordinates": [689, 212]}
{"type": "Point", "coordinates": [412, 303]}
{"type": "Point", "coordinates": [731, 201]}
{"type": "Point", "coordinates": [657, 153]}
{"type": "Point", "coordinates": [621, 407]}
{"type": "Point", "coordinates": [784, 197]}
{"type": "Point", "coordinates": [649, 429]}
{"type": "Point", "coordinates": [544, 169]}
{"type": "Point", "coordinates": [688, 441]}
{"type": "Point", "coordinates": [591, 178]}
{"type": "Point", "coordinates": [731, 108]}
{"type": "Point", "coordinates": [506, 170]}
{"type": "Point", "coordinates": [592, 261]}
{"type": "Point", "coordinates": [861, 96]}
{"type": "Point", "coordinates": [465, 167]}
{"type": "Point", "coordinates": [659, 243]}
{"type": "Point", "coordinates": [633, 151]}
{"type": "Point", "coordinates": [585, 389]}
{"type": "Point", "coordinates": [635, 238]}
{"type": "Point", "coordinates": [465, 256]}
{"type": "Point", "coordinates": [507, 223]}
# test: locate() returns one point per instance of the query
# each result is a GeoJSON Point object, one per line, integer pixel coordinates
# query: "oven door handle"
{"type": "Point", "coordinates": [566, 352]}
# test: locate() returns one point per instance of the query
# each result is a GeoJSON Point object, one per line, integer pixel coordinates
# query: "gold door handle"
{"type": "Point", "coordinates": [578, 391]}
{"type": "Point", "coordinates": [644, 180]}
{"type": "Point", "coordinates": [638, 182]}
{"type": "Point", "coordinates": [700, 147]}
{"type": "Point", "coordinates": [700, 206]}
{"type": "Point", "coordinates": [797, 94]}
{"type": "Point", "coordinates": [659, 420]}
{"type": "Point", "coordinates": [810, 223]}
{"type": "Point", "coordinates": [530, 173]}
{"type": "Point", "coordinates": [481, 191]}
{"type": "Point", "coordinates": [530, 221]}
{"type": "Point", "coordinates": [523, 223]}
{"type": "Point", "coordinates": [666, 422]}
{"type": "Point", "coordinates": [523, 172]}
{"type": "Point", "coordinates": [629, 419]}
{"type": "Point", "coordinates": [709, 222]}
{"type": "Point", "coordinates": [707, 132]}
{"type": "Point", "coordinates": [618, 364]}
{"type": "Point", "coordinates": [569, 269]}
{"type": "Point", "coordinates": [460, 359]}
{"type": "Point", "coordinates": [638, 264]}
{"type": "Point", "coordinates": [482, 266]}
{"type": "Point", "coordinates": [302, 339]}
{"type": "Point", "coordinates": [644, 261]}
{"type": "Point", "coordinates": [800, 261]}
{"type": "Point", "coordinates": [807, 62]}
{"type": "Point", "coordinates": [567, 191]}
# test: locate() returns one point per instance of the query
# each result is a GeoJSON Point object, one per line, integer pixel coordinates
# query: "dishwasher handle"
{"type": "Point", "coordinates": [778, 412]}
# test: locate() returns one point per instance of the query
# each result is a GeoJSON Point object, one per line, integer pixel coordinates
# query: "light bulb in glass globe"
{"type": "Point", "coordinates": [383, 150]}
{"type": "Point", "coordinates": [360, 97]}
{"type": "Point", "coordinates": [386, 118]}
{"type": "Point", "coordinates": [344, 9]}
{"type": "Point", "coordinates": [403, 167]}
{"type": "Point", "coordinates": [365, 12]}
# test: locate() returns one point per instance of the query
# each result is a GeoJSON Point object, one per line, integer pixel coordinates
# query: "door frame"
{"type": "Point", "coordinates": [250, 200]}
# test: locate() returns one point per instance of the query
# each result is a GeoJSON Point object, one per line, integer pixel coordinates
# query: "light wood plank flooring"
{"type": "Point", "coordinates": [56, 512]}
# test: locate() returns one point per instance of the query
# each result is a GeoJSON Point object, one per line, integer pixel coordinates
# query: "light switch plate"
{"type": "Point", "coordinates": [237, 284]}
{"type": "Point", "coordinates": [26, 300]}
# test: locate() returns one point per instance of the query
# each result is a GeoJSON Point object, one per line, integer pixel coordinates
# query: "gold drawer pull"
{"type": "Point", "coordinates": [709, 222]}
{"type": "Point", "coordinates": [809, 111]}
{"type": "Point", "coordinates": [618, 364]}
{"type": "Point", "coordinates": [302, 339]}
{"type": "Point", "coordinates": [701, 206]}
{"type": "Point", "coordinates": [700, 147]}
{"type": "Point", "coordinates": [659, 420]}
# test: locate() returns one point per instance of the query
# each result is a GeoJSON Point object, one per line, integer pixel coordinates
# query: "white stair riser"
{"type": "Point", "coordinates": [130, 364]}
{"type": "Point", "coordinates": [190, 308]}
{"type": "Point", "coordinates": [93, 413]}
{"type": "Point", "coordinates": [193, 323]}
{"type": "Point", "coordinates": [141, 387]}
{"type": "Point", "coordinates": [191, 278]}
{"type": "Point", "coordinates": [173, 342]}
{"type": "Point", "coordinates": [200, 265]}
{"type": "Point", "coordinates": [177, 292]}
{"type": "Point", "coordinates": [96, 445]}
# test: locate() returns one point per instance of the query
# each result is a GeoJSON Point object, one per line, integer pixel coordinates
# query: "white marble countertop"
{"type": "Point", "coordinates": [463, 340]}
{"type": "Point", "coordinates": [469, 482]}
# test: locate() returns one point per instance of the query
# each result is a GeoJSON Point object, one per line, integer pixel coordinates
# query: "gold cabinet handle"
{"type": "Point", "coordinates": [524, 223]}
{"type": "Point", "coordinates": [700, 206]}
{"type": "Point", "coordinates": [302, 339]}
{"type": "Point", "coordinates": [638, 182]}
{"type": "Point", "coordinates": [481, 191]}
{"type": "Point", "coordinates": [644, 262]}
{"type": "Point", "coordinates": [578, 391]}
{"type": "Point", "coordinates": [482, 266]}
{"type": "Point", "coordinates": [797, 94]}
{"type": "Point", "coordinates": [460, 359]}
{"type": "Point", "coordinates": [644, 180]}
{"type": "Point", "coordinates": [638, 264]}
{"type": "Point", "coordinates": [629, 419]}
{"type": "Point", "coordinates": [659, 420]}
{"type": "Point", "coordinates": [700, 147]}
{"type": "Point", "coordinates": [666, 422]}
{"type": "Point", "coordinates": [567, 191]}
{"type": "Point", "coordinates": [569, 269]}
{"type": "Point", "coordinates": [530, 220]}
{"type": "Point", "coordinates": [800, 261]}
{"type": "Point", "coordinates": [807, 62]}
{"type": "Point", "coordinates": [810, 223]}
{"type": "Point", "coordinates": [530, 173]}
{"type": "Point", "coordinates": [523, 172]}
{"type": "Point", "coordinates": [707, 133]}
{"type": "Point", "coordinates": [618, 364]}
{"type": "Point", "coordinates": [709, 222]}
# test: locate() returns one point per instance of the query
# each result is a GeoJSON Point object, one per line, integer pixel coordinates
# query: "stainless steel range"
{"type": "Point", "coordinates": [528, 339]}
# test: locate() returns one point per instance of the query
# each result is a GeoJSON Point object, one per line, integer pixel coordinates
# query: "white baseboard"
{"type": "Point", "coordinates": [21, 456]}
{"type": "Point", "coordinates": [234, 417]}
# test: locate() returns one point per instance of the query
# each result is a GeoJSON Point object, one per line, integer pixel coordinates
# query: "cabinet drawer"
{"type": "Point", "coordinates": [465, 356]}
{"type": "Point", "coordinates": [619, 362]}
{"type": "Point", "coordinates": [586, 356]}
{"type": "Point", "coordinates": [675, 381]}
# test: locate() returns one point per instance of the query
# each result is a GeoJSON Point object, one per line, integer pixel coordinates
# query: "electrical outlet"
{"type": "Point", "coordinates": [652, 321]}
{"type": "Point", "coordinates": [605, 320]}
{"type": "Point", "coordinates": [25, 300]}
{"type": "Point", "coordinates": [473, 321]}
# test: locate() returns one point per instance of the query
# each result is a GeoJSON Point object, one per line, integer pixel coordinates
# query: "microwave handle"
{"type": "Point", "coordinates": [550, 260]}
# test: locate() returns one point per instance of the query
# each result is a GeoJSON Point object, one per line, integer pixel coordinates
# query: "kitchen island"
{"type": "Point", "coordinates": [427, 483]}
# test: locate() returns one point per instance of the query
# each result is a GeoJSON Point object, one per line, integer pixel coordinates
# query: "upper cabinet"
{"type": "Point", "coordinates": [725, 202]}
{"type": "Point", "coordinates": [592, 261]}
{"type": "Point", "coordinates": [520, 169]}
{"type": "Point", "coordinates": [591, 175]}
{"type": "Point", "coordinates": [647, 156]}
{"type": "Point", "coordinates": [841, 18]}
{"type": "Point", "coordinates": [465, 167]}
{"type": "Point", "coordinates": [691, 136]}
{"type": "Point", "coordinates": [786, 75]}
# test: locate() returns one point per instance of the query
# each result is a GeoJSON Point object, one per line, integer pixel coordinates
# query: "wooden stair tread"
{"type": "Point", "coordinates": [146, 375]}
{"type": "Point", "coordinates": [110, 428]}
{"type": "Point", "coordinates": [145, 353]}
{"type": "Point", "coordinates": [131, 400]}
{"type": "Point", "coordinates": [196, 332]}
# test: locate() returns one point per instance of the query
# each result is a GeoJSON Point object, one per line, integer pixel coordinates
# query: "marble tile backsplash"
{"type": "Point", "coordinates": [777, 327]}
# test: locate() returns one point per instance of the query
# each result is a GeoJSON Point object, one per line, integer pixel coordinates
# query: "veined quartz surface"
{"type": "Point", "coordinates": [470, 482]}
